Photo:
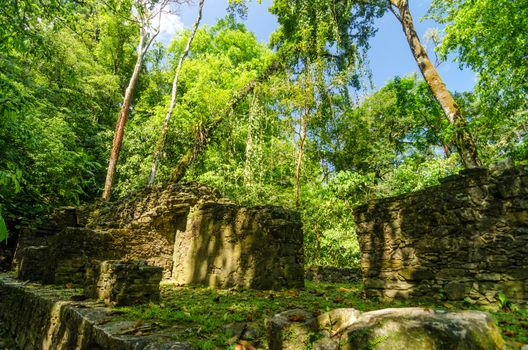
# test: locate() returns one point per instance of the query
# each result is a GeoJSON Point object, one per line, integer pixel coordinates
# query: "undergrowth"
{"type": "Point", "coordinates": [208, 318]}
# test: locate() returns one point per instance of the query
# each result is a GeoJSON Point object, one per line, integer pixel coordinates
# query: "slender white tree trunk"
{"type": "Point", "coordinates": [163, 135]}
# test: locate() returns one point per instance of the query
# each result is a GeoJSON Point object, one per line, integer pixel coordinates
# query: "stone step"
{"type": "Point", "coordinates": [46, 318]}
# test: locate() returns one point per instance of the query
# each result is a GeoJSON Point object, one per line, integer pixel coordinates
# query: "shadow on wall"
{"type": "Point", "coordinates": [225, 245]}
{"type": "Point", "coordinates": [40, 321]}
{"type": "Point", "coordinates": [465, 239]}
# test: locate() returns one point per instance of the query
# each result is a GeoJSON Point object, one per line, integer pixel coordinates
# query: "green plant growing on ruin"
{"type": "Point", "coordinates": [378, 340]}
{"type": "Point", "coordinates": [505, 304]}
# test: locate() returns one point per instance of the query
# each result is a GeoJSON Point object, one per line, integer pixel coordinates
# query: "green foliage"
{"type": "Point", "coordinates": [310, 30]}
{"type": "Point", "coordinates": [414, 174]}
{"type": "Point", "coordinates": [3, 229]}
{"type": "Point", "coordinates": [489, 36]}
{"type": "Point", "coordinates": [513, 323]}
{"type": "Point", "coordinates": [9, 181]}
{"type": "Point", "coordinates": [329, 230]}
{"type": "Point", "coordinates": [64, 66]}
{"type": "Point", "coordinates": [57, 108]}
{"type": "Point", "coordinates": [400, 120]}
{"type": "Point", "coordinates": [223, 59]}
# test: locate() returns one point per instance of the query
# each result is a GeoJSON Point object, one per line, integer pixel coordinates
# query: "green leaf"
{"type": "Point", "coordinates": [3, 230]}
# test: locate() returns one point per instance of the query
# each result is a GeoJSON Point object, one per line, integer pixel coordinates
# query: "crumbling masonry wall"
{"type": "Point", "coordinates": [190, 231]}
{"type": "Point", "coordinates": [464, 239]}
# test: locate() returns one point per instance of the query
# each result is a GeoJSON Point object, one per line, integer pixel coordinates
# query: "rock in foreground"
{"type": "Point", "coordinates": [393, 329]}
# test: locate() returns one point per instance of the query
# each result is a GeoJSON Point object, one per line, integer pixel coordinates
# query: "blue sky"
{"type": "Point", "coordinates": [389, 54]}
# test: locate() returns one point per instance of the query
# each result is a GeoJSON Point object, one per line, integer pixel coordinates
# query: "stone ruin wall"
{"type": "Point", "coordinates": [465, 239]}
{"type": "Point", "coordinates": [189, 230]}
{"type": "Point", "coordinates": [227, 245]}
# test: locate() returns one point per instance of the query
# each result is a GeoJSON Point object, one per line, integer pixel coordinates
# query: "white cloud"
{"type": "Point", "coordinates": [170, 24]}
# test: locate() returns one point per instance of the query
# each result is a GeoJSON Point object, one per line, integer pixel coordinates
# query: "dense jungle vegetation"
{"type": "Point", "coordinates": [287, 123]}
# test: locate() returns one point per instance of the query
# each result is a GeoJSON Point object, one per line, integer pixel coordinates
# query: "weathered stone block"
{"type": "Point", "coordinates": [417, 275]}
{"type": "Point", "coordinates": [335, 321]}
{"type": "Point", "coordinates": [488, 277]}
{"type": "Point", "coordinates": [456, 290]}
{"type": "Point", "coordinates": [121, 283]}
{"type": "Point", "coordinates": [394, 329]}
{"type": "Point", "coordinates": [35, 264]}
{"type": "Point", "coordinates": [44, 319]}
{"type": "Point", "coordinates": [332, 274]}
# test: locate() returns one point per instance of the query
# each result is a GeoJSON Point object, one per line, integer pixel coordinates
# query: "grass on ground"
{"type": "Point", "coordinates": [210, 318]}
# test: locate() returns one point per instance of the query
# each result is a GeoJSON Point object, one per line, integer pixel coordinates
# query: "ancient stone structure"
{"type": "Point", "coordinates": [464, 239]}
{"type": "Point", "coordinates": [120, 283]}
{"type": "Point", "coordinates": [189, 231]}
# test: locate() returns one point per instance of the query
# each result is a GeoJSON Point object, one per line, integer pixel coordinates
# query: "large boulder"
{"type": "Point", "coordinates": [335, 321]}
{"type": "Point", "coordinates": [418, 328]}
{"type": "Point", "coordinates": [391, 329]}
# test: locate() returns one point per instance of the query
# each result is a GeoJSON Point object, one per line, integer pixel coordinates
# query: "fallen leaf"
{"type": "Point", "coordinates": [296, 318]}
{"type": "Point", "coordinates": [509, 333]}
{"type": "Point", "coordinates": [338, 299]}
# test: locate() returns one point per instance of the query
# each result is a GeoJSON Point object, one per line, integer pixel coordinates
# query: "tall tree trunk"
{"type": "Point", "coordinates": [204, 135]}
{"type": "Point", "coordinates": [165, 129]}
{"type": "Point", "coordinates": [304, 133]}
{"type": "Point", "coordinates": [120, 127]}
{"type": "Point", "coordinates": [462, 138]}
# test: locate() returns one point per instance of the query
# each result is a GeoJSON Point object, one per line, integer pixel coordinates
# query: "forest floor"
{"type": "Point", "coordinates": [216, 319]}
{"type": "Point", "coordinates": [219, 319]}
